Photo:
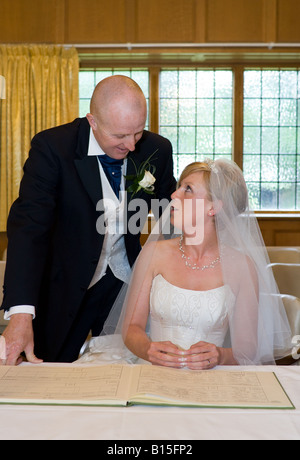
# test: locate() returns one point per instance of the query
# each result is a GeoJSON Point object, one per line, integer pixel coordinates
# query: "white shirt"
{"type": "Point", "coordinates": [113, 252]}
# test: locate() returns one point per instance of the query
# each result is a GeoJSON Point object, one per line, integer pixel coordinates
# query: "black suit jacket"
{"type": "Point", "coordinates": [53, 243]}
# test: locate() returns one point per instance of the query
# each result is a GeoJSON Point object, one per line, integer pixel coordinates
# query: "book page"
{"type": "Point", "coordinates": [112, 385]}
{"type": "Point", "coordinates": [68, 384]}
{"type": "Point", "coordinates": [210, 388]}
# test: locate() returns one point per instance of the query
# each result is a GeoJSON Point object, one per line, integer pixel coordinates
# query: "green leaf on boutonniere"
{"type": "Point", "coordinates": [144, 178]}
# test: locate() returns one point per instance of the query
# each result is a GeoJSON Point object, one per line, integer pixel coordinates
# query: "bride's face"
{"type": "Point", "coordinates": [190, 206]}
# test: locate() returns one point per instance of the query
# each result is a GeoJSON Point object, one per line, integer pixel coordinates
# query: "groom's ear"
{"type": "Point", "coordinates": [91, 120]}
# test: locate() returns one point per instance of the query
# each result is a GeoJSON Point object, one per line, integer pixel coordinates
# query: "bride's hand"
{"type": "Point", "coordinates": [166, 354]}
{"type": "Point", "coordinates": [203, 355]}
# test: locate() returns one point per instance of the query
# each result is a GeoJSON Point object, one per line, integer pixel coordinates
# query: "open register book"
{"type": "Point", "coordinates": [122, 385]}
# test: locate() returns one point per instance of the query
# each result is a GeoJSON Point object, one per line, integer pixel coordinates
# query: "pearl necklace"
{"type": "Point", "coordinates": [195, 266]}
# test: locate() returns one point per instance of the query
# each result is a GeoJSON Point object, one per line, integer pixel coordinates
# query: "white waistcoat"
{"type": "Point", "coordinates": [113, 252]}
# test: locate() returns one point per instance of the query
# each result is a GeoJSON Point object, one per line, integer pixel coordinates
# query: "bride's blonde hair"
{"type": "Point", "coordinates": [229, 186]}
{"type": "Point", "coordinates": [197, 167]}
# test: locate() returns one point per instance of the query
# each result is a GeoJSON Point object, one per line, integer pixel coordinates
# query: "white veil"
{"type": "Point", "coordinates": [259, 332]}
{"type": "Point", "coordinates": [258, 325]}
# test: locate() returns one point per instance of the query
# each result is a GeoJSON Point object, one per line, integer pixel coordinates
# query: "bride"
{"type": "Point", "coordinates": [202, 296]}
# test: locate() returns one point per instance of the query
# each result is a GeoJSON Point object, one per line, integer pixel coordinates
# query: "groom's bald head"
{"type": "Point", "coordinates": [114, 93]}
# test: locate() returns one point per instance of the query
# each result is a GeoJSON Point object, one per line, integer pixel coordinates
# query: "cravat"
{"type": "Point", "coordinates": [113, 171]}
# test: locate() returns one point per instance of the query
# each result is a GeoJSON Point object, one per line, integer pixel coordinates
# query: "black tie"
{"type": "Point", "coordinates": [113, 171]}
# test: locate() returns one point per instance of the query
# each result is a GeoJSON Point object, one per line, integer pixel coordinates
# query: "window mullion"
{"type": "Point", "coordinates": [238, 115]}
{"type": "Point", "coordinates": [154, 73]}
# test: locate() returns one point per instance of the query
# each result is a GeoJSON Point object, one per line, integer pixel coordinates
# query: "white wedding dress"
{"type": "Point", "coordinates": [185, 317]}
{"type": "Point", "coordinates": [178, 315]}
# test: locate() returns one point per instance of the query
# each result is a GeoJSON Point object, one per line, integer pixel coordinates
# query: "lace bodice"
{"type": "Point", "coordinates": [185, 317]}
{"type": "Point", "coordinates": [180, 315]}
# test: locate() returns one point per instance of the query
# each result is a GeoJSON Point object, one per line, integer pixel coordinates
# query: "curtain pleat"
{"type": "Point", "coordinates": [41, 92]}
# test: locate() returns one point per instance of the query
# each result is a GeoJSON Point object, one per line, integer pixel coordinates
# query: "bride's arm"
{"type": "Point", "coordinates": [159, 353]}
{"type": "Point", "coordinates": [137, 313]}
{"type": "Point", "coordinates": [244, 330]}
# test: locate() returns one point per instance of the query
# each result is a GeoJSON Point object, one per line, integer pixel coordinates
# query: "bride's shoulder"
{"type": "Point", "coordinates": [161, 245]}
{"type": "Point", "coordinates": [238, 261]}
{"type": "Point", "coordinates": [167, 245]}
{"type": "Point", "coordinates": [159, 249]}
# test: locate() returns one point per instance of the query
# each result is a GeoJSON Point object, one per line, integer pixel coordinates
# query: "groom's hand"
{"type": "Point", "coordinates": [18, 337]}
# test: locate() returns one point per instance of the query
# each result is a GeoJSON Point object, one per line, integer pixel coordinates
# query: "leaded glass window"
{"type": "Point", "coordinates": [88, 79]}
{"type": "Point", "coordinates": [195, 111]}
{"type": "Point", "coordinates": [271, 141]}
{"type": "Point", "coordinates": [196, 114]}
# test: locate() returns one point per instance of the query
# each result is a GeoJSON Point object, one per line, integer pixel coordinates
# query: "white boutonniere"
{"type": "Point", "coordinates": [143, 179]}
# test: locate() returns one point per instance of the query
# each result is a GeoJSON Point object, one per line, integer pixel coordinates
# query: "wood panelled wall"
{"type": "Point", "coordinates": [149, 21]}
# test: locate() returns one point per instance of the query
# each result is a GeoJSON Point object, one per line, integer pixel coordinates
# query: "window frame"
{"type": "Point", "coordinates": [237, 100]}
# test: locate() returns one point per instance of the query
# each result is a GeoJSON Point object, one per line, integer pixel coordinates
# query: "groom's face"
{"type": "Point", "coordinates": [119, 129]}
{"type": "Point", "coordinates": [117, 143]}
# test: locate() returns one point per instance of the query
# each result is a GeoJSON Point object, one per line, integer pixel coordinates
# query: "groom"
{"type": "Point", "coordinates": [62, 275]}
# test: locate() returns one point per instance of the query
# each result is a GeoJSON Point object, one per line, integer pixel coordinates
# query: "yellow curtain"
{"type": "Point", "coordinates": [41, 91]}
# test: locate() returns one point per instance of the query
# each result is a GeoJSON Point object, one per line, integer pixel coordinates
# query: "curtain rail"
{"type": "Point", "coordinates": [131, 46]}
